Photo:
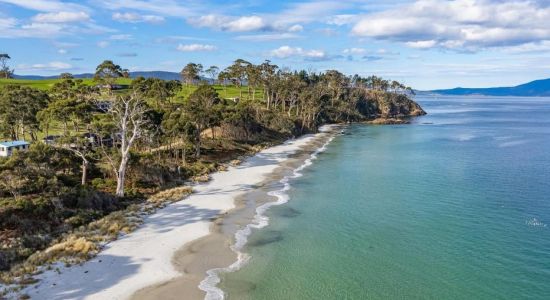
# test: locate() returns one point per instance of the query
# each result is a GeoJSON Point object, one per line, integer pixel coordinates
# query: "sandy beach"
{"type": "Point", "coordinates": [174, 244]}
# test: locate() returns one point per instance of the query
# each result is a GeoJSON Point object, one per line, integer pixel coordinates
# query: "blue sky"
{"type": "Point", "coordinates": [426, 43]}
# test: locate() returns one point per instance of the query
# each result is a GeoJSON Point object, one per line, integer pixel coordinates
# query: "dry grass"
{"type": "Point", "coordinates": [171, 195]}
{"type": "Point", "coordinates": [86, 241]}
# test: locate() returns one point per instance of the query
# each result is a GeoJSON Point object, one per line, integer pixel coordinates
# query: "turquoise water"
{"type": "Point", "coordinates": [454, 206]}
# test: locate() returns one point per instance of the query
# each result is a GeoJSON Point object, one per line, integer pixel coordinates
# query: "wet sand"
{"type": "Point", "coordinates": [213, 250]}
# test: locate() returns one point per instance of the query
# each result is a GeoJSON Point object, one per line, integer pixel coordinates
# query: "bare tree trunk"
{"type": "Point", "coordinates": [129, 116]}
{"type": "Point", "coordinates": [121, 176]}
{"type": "Point", "coordinates": [85, 164]}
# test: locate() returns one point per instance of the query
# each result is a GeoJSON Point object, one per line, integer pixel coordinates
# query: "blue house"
{"type": "Point", "coordinates": [7, 148]}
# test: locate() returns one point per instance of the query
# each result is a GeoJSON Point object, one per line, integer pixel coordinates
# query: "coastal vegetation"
{"type": "Point", "coordinates": [101, 147]}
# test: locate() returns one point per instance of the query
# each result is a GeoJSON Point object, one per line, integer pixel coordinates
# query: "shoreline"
{"type": "Point", "coordinates": [219, 252]}
{"type": "Point", "coordinates": [144, 257]}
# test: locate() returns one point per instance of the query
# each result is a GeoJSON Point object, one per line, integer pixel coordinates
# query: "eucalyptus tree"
{"type": "Point", "coordinates": [223, 77]}
{"type": "Point", "coordinates": [191, 73]}
{"type": "Point", "coordinates": [5, 70]}
{"type": "Point", "coordinates": [159, 91]}
{"type": "Point", "coordinates": [201, 111]}
{"type": "Point", "coordinates": [107, 73]}
{"type": "Point", "coordinates": [18, 111]}
{"type": "Point", "coordinates": [178, 127]}
{"type": "Point", "coordinates": [128, 114]}
{"type": "Point", "coordinates": [71, 102]}
{"type": "Point", "coordinates": [253, 74]}
{"type": "Point", "coordinates": [238, 73]}
{"type": "Point", "coordinates": [213, 71]}
{"type": "Point", "coordinates": [267, 74]}
{"type": "Point", "coordinates": [66, 76]}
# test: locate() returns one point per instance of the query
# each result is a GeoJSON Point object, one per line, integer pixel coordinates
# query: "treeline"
{"type": "Point", "coordinates": [97, 148]}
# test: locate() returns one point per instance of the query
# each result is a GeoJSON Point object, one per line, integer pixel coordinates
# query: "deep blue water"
{"type": "Point", "coordinates": [453, 206]}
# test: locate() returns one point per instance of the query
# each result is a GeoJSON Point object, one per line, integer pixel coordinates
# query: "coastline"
{"type": "Point", "coordinates": [144, 257]}
{"type": "Point", "coordinates": [219, 252]}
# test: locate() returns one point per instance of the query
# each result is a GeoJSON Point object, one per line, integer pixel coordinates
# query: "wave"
{"type": "Point", "coordinates": [209, 284]}
{"type": "Point", "coordinates": [535, 223]}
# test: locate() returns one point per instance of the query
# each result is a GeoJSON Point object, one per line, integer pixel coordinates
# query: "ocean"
{"type": "Point", "coordinates": [455, 205]}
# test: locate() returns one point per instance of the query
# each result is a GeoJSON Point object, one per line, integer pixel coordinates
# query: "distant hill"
{"type": "Point", "coordinates": [151, 74]}
{"type": "Point", "coordinates": [534, 88]}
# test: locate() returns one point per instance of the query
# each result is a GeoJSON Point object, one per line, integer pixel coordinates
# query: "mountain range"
{"type": "Point", "coordinates": [147, 74]}
{"type": "Point", "coordinates": [537, 88]}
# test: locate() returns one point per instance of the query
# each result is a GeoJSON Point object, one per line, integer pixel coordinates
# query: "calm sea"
{"type": "Point", "coordinates": [453, 206]}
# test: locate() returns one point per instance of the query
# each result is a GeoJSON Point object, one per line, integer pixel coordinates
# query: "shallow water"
{"type": "Point", "coordinates": [453, 206]}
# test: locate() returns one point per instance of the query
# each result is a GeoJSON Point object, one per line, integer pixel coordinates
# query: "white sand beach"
{"type": "Point", "coordinates": [144, 257]}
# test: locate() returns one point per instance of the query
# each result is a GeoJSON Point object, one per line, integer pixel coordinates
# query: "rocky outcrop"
{"type": "Point", "coordinates": [383, 105]}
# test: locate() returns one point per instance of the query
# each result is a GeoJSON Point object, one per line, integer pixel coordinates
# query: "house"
{"type": "Point", "coordinates": [7, 148]}
{"type": "Point", "coordinates": [51, 139]}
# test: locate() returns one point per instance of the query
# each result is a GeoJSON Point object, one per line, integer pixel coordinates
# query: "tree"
{"type": "Point", "coordinates": [267, 73]}
{"type": "Point", "coordinates": [5, 71]}
{"type": "Point", "coordinates": [107, 73]}
{"type": "Point", "coordinates": [178, 126]}
{"type": "Point", "coordinates": [12, 182]}
{"type": "Point", "coordinates": [66, 76]}
{"type": "Point", "coordinates": [201, 111]}
{"type": "Point", "coordinates": [237, 72]}
{"type": "Point", "coordinates": [191, 73]}
{"type": "Point", "coordinates": [18, 110]}
{"type": "Point", "coordinates": [128, 114]}
{"type": "Point", "coordinates": [223, 77]}
{"type": "Point", "coordinates": [71, 103]}
{"type": "Point", "coordinates": [79, 146]}
{"type": "Point", "coordinates": [158, 90]}
{"type": "Point", "coordinates": [213, 72]}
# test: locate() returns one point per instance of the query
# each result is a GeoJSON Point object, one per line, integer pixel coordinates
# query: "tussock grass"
{"type": "Point", "coordinates": [86, 241]}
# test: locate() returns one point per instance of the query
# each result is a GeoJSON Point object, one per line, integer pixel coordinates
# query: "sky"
{"type": "Point", "coordinates": [427, 44]}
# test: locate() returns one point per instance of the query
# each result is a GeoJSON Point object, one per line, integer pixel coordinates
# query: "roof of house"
{"type": "Point", "coordinates": [13, 143]}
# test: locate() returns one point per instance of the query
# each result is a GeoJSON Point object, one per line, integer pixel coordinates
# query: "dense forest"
{"type": "Point", "coordinates": [101, 148]}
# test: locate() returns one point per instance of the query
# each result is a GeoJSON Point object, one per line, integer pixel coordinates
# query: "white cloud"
{"type": "Point", "coordinates": [103, 44]}
{"type": "Point", "coordinates": [311, 11]}
{"type": "Point", "coordinates": [62, 51]}
{"type": "Point", "coordinates": [51, 66]}
{"type": "Point", "coordinates": [61, 17]}
{"type": "Point", "coordinates": [137, 18]}
{"type": "Point", "coordinates": [195, 47]}
{"type": "Point", "coordinates": [225, 23]}
{"type": "Point", "coordinates": [356, 51]}
{"type": "Point", "coordinates": [463, 25]}
{"type": "Point", "coordinates": [47, 5]}
{"type": "Point", "coordinates": [543, 46]}
{"type": "Point", "coordinates": [244, 23]}
{"type": "Point", "coordinates": [121, 37]}
{"type": "Point", "coordinates": [287, 51]}
{"type": "Point", "coordinates": [12, 28]}
{"type": "Point", "coordinates": [250, 23]}
{"type": "Point", "coordinates": [267, 37]}
{"type": "Point", "coordinates": [340, 20]}
{"type": "Point", "coordinates": [177, 38]}
{"type": "Point", "coordinates": [161, 7]}
{"type": "Point", "coordinates": [422, 44]}
{"type": "Point", "coordinates": [296, 28]}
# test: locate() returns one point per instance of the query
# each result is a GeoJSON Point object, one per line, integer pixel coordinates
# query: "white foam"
{"type": "Point", "coordinates": [535, 223]}
{"type": "Point", "coordinates": [209, 284]}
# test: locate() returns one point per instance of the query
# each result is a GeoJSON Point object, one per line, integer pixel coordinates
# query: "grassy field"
{"type": "Point", "coordinates": [224, 92]}
{"type": "Point", "coordinates": [46, 84]}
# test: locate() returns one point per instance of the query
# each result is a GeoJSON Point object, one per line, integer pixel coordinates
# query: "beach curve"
{"type": "Point", "coordinates": [144, 257]}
